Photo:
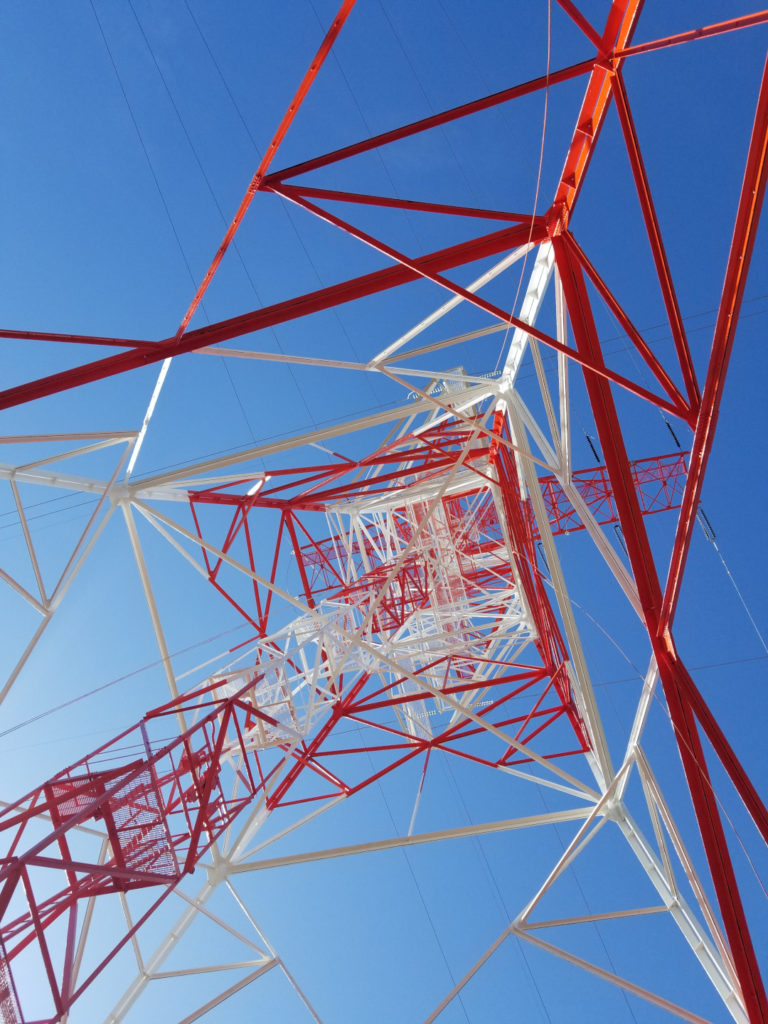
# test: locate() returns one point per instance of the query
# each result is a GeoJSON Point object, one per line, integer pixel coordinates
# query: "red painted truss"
{"type": "Point", "coordinates": [421, 559]}
{"type": "Point", "coordinates": [659, 483]}
{"type": "Point", "coordinates": [161, 805]}
{"type": "Point", "coordinates": [424, 621]}
{"type": "Point", "coordinates": [423, 540]}
{"type": "Point", "coordinates": [434, 568]}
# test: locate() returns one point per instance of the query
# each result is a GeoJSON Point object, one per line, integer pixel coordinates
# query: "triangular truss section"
{"type": "Point", "coordinates": [45, 577]}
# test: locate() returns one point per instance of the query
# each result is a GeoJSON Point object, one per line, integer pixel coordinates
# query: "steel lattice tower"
{"type": "Point", "coordinates": [400, 585]}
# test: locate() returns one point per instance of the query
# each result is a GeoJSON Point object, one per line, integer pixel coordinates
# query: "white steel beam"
{"type": "Point", "coordinates": [398, 842]}
{"type": "Point", "coordinates": [614, 979]}
{"type": "Point", "coordinates": [356, 640]}
{"type": "Point", "coordinates": [601, 763]}
{"type": "Point", "coordinates": [475, 286]}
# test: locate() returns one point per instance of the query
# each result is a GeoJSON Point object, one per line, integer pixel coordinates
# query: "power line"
{"type": "Point", "coordinates": [120, 679]}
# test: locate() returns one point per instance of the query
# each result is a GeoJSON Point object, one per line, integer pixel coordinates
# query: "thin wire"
{"type": "Point", "coordinates": [739, 594]}
{"type": "Point", "coordinates": [702, 770]}
{"type": "Point", "coordinates": [165, 365]}
{"type": "Point", "coordinates": [81, 735]}
{"type": "Point", "coordinates": [257, 150]}
{"type": "Point", "coordinates": [704, 774]}
{"type": "Point", "coordinates": [289, 210]}
{"type": "Point", "coordinates": [709, 534]}
{"type": "Point", "coordinates": [404, 851]}
{"type": "Point", "coordinates": [119, 679]}
{"type": "Point", "coordinates": [690, 316]}
{"type": "Point", "coordinates": [385, 405]}
{"type": "Point", "coordinates": [37, 504]}
{"type": "Point", "coordinates": [201, 168]}
{"type": "Point", "coordinates": [503, 346]}
{"type": "Point", "coordinates": [694, 668]}
{"type": "Point", "coordinates": [507, 916]}
{"type": "Point", "coordinates": [602, 629]}
{"type": "Point", "coordinates": [572, 871]}
{"type": "Point", "coordinates": [51, 512]}
{"type": "Point", "coordinates": [140, 137]}
{"type": "Point", "coordinates": [467, 180]}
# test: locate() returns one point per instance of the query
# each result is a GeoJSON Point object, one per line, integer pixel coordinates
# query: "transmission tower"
{"type": "Point", "coordinates": [404, 609]}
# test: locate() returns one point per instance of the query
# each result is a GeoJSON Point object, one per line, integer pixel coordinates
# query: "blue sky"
{"type": "Point", "coordinates": [130, 133]}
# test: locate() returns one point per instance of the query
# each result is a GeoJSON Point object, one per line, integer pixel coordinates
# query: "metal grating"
{"type": "Point", "coordinates": [139, 823]}
{"type": "Point", "coordinates": [71, 796]}
{"type": "Point", "coordinates": [141, 828]}
{"type": "Point", "coordinates": [10, 1012]}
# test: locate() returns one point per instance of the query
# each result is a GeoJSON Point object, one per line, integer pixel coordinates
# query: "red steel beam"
{"type": "Point", "coordinates": [737, 268]}
{"type": "Point", "coordinates": [434, 121]}
{"type": "Point", "coordinates": [76, 339]}
{"type": "Point", "coordinates": [670, 667]}
{"type": "Point", "coordinates": [269, 316]}
{"type": "Point", "coordinates": [657, 245]}
{"type": "Point", "coordinates": [713, 837]}
{"type": "Point", "coordinates": [401, 204]}
{"type": "Point", "coordinates": [475, 300]}
{"type": "Point", "coordinates": [576, 16]}
{"type": "Point", "coordinates": [619, 27]}
{"type": "Point", "coordinates": [745, 21]}
{"type": "Point", "coordinates": [255, 184]}
{"type": "Point", "coordinates": [741, 781]}
{"type": "Point", "coordinates": [607, 422]}
{"type": "Point", "coordinates": [644, 350]}
{"type": "Point", "coordinates": [745, 229]}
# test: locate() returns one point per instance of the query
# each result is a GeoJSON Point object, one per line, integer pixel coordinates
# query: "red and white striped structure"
{"type": "Point", "coordinates": [433, 613]}
{"type": "Point", "coordinates": [428, 626]}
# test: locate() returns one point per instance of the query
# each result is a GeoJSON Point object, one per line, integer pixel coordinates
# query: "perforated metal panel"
{"type": "Point", "coordinates": [9, 1004]}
